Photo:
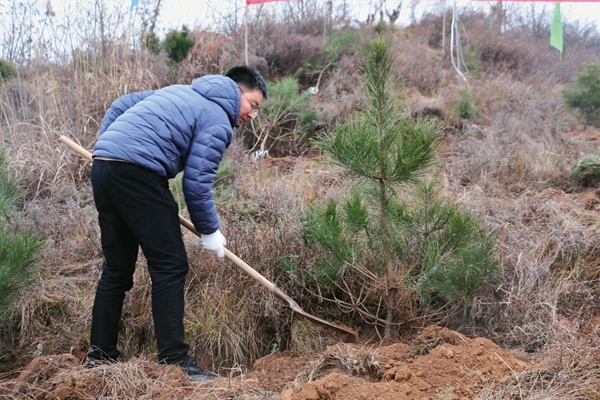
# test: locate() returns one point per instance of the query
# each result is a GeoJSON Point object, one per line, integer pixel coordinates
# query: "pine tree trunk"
{"type": "Point", "coordinates": [390, 300]}
{"type": "Point", "coordinates": [390, 293]}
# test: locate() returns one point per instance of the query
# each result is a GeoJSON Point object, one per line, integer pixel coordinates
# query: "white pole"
{"type": "Point", "coordinates": [246, 40]}
{"type": "Point", "coordinates": [444, 30]}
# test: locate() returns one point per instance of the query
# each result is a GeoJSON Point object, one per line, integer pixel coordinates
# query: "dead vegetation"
{"type": "Point", "coordinates": [510, 165]}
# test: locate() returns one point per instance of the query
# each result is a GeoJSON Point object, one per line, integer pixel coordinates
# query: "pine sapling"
{"type": "Point", "coordinates": [382, 150]}
{"type": "Point", "coordinates": [392, 242]}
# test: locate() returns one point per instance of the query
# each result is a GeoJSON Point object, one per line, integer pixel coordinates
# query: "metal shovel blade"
{"type": "Point", "coordinates": [348, 335]}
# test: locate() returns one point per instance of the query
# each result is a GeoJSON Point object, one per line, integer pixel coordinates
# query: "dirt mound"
{"type": "Point", "coordinates": [437, 363]}
{"type": "Point", "coordinates": [64, 377]}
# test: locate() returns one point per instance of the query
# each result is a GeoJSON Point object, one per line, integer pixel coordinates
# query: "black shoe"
{"type": "Point", "coordinates": [194, 372]}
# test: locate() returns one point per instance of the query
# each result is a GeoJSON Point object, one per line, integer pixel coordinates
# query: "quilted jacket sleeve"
{"type": "Point", "coordinates": [204, 157]}
{"type": "Point", "coordinates": [120, 105]}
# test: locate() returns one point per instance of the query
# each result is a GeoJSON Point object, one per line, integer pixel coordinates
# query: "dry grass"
{"type": "Point", "coordinates": [509, 165]}
{"type": "Point", "coordinates": [517, 142]}
{"type": "Point", "coordinates": [63, 376]}
{"type": "Point", "coordinates": [569, 369]}
{"type": "Point", "coordinates": [49, 101]}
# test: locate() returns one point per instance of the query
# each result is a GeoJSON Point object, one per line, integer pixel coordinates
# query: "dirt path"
{"type": "Point", "coordinates": [439, 363]}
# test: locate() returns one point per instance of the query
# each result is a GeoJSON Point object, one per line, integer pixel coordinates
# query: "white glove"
{"type": "Point", "coordinates": [214, 243]}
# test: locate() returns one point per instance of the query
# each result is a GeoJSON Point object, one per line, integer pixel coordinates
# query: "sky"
{"type": "Point", "coordinates": [175, 13]}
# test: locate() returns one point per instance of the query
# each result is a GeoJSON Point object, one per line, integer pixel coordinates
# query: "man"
{"type": "Point", "coordinates": [145, 139]}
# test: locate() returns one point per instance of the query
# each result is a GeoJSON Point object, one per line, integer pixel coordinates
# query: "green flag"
{"type": "Point", "coordinates": [556, 30]}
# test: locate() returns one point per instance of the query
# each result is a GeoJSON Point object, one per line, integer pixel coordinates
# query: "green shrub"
{"type": "Point", "coordinates": [9, 189]}
{"type": "Point", "coordinates": [472, 62]}
{"type": "Point", "coordinates": [152, 43]}
{"type": "Point", "coordinates": [222, 178]}
{"type": "Point", "coordinates": [457, 258]}
{"type": "Point", "coordinates": [177, 44]}
{"type": "Point", "coordinates": [176, 187]}
{"type": "Point", "coordinates": [7, 70]}
{"type": "Point", "coordinates": [18, 256]}
{"type": "Point", "coordinates": [381, 27]}
{"type": "Point", "coordinates": [465, 108]}
{"type": "Point", "coordinates": [285, 121]}
{"type": "Point", "coordinates": [290, 106]}
{"type": "Point", "coordinates": [18, 248]}
{"type": "Point", "coordinates": [587, 170]}
{"type": "Point", "coordinates": [451, 254]}
{"type": "Point", "coordinates": [337, 43]}
{"type": "Point", "coordinates": [224, 173]}
{"type": "Point", "coordinates": [584, 94]}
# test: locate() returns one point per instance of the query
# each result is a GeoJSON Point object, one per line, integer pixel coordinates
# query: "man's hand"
{"type": "Point", "coordinates": [214, 243]}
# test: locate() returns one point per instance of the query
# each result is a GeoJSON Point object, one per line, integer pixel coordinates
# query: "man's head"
{"type": "Point", "coordinates": [253, 90]}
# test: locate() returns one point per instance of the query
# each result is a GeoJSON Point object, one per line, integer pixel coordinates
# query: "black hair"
{"type": "Point", "coordinates": [248, 77]}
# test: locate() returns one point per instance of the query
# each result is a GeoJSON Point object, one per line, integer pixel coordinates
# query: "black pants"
{"type": "Point", "coordinates": [136, 208]}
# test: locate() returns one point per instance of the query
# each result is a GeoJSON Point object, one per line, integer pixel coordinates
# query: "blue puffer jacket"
{"type": "Point", "coordinates": [120, 105]}
{"type": "Point", "coordinates": [177, 128]}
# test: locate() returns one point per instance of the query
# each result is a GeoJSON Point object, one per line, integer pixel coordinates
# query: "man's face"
{"type": "Point", "coordinates": [251, 102]}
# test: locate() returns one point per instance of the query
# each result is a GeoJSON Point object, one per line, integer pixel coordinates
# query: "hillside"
{"type": "Point", "coordinates": [506, 152]}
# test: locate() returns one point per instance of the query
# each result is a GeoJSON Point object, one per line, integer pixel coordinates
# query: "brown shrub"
{"type": "Point", "coordinates": [549, 257]}
{"type": "Point", "coordinates": [282, 50]}
{"type": "Point", "coordinates": [212, 53]}
{"type": "Point", "coordinates": [568, 370]}
{"type": "Point", "coordinates": [339, 95]}
{"type": "Point", "coordinates": [505, 53]}
{"type": "Point", "coordinates": [418, 65]}
{"type": "Point", "coordinates": [517, 50]}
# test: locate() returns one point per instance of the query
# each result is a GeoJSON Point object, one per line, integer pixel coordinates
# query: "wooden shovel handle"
{"type": "Point", "coordinates": [74, 146]}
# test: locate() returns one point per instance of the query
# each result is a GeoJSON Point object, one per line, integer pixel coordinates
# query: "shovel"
{"type": "Point", "coordinates": [348, 335]}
